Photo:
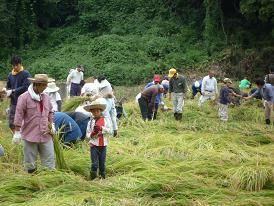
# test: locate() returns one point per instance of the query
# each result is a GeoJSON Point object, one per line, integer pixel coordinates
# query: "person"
{"type": "Point", "coordinates": [17, 84]}
{"type": "Point", "coordinates": [2, 151]}
{"type": "Point", "coordinates": [74, 79]}
{"type": "Point", "coordinates": [81, 120]}
{"type": "Point", "coordinates": [68, 128]}
{"type": "Point", "coordinates": [266, 90]}
{"type": "Point", "coordinates": [196, 87]}
{"type": "Point", "coordinates": [55, 97]}
{"type": "Point", "coordinates": [102, 85]}
{"type": "Point", "coordinates": [32, 119]}
{"type": "Point", "coordinates": [97, 131]}
{"type": "Point", "coordinates": [177, 90]}
{"type": "Point", "coordinates": [209, 88]}
{"type": "Point", "coordinates": [269, 78]}
{"type": "Point", "coordinates": [224, 99]}
{"type": "Point", "coordinates": [147, 101]}
{"type": "Point", "coordinates": [244, 84]}
{"type": "Point", "coordinates": [89, 88]}
{"type": "Point", "coordinates": [156, 80]}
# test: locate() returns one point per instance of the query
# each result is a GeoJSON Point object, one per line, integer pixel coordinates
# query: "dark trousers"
{"type": "Point", "coordinates": [146, 111]}
{"type": "Point", "coordinates": [151, 114]}
{"type": "Point", "coordinates": [11, 116]}
{"type": "Point", "coordinates": [75, 89]}
{"type": "Point", "coordinates": [98, 158]}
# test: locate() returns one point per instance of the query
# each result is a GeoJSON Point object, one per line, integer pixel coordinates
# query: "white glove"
{"type": "Point", "coordinates": [8, 92]}
{"type": "Point", "coordinates": [53, 129]}
{"type": "Point", "coordinates": [16, 138]}
{"type": "Point", "coordinates": [4, 89]}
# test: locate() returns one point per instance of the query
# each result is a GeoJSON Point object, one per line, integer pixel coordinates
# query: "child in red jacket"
{"type": "Point", "coordinates": [97, 130]}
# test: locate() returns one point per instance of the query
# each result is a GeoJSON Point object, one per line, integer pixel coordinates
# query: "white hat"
{"type": "Point", "coordinates": [95, 105]}
{"type": "Point", "coordinates": [51, 88]}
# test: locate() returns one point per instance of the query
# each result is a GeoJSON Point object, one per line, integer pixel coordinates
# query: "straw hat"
{"type": "Point", "coordinates": [95, 105]}
{"type": "Point", "coordinates": [51, 88]}
{"type": "Point", "coordinates": [171, 72]}
{"type": "Point", "coordinates": [41, 78]}
{"type": "Point", "coordinates": [227, 80]}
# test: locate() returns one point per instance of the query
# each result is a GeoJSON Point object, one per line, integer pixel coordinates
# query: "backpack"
{"type": "Point", "coordinates": [269, 79]}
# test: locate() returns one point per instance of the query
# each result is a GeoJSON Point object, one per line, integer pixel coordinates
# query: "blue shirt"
{"type": "Point", "coordinates": [195, 90]}
{"type": "Point", "coordinates": [267, 92]}
{"type": "Point", "coordinates": [19, 83]}
{"type": "Point", "coordinates": [158, 96]}
{"type": "Point", "coordinates": [224, 95]}
{"type": "Point", "coordinates": [70, 129]}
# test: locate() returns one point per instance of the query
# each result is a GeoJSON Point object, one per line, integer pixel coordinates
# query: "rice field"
{"type": "Point", "coordinates": [197, 162]}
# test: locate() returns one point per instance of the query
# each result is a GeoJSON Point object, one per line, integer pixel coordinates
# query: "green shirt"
{"type": "Point", "coordinates": [244, 84]}
{"type": "Point", "coordinates": [178, 85]}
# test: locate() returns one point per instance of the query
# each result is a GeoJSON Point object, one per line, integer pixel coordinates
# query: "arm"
{"type": "Point", "coordinates": [59, 105]}
{"type": "Point", "coordinates": [203, 86]}
{"type": "Point", "coordinates": [69, 78]}
{"type": "Point", "coordinates": [113, 115]}
{"type": "Point", "coordinates": [107, 129]}
{"type": "Point", "coordinates": [20, 111]}
{"type": "Point", "coordinates": [25, 85]}
{"type": "Point", "coordinates": [215, 86]}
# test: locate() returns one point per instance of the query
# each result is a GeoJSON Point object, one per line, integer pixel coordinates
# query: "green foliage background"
{"type": "Point", "coordinates": [129, 41]}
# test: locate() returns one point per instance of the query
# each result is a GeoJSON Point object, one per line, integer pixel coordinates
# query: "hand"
{"type": "Point", "coordinates": [8, 92]}
{"type": "Point", "coordinates": [115, 133]}
{"type": "Point", "coordinates": [16, 137]}
{"type": "Point", "coordinates": [97, 128]}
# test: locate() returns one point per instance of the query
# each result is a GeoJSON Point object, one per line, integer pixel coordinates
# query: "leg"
{"type": "Point", "coordinates": [174, 101]}
{"type": "Point", "coordinates": [30, 156]}
{"type": "Point", "coordinates": [94, 162]}
{"type": "Point", "coordinates": [102, 162]}
{"type": "Point", "coordinates": [143, 107]}
{"type": "Point", "coordinates": [223, 112]}
{"type": "Point", "coordinates": [46, 151]}
{"type": "Point", "coordinates": [267, 107]}
{"type": "Point", "coordinates": [11, 117]}
{"type": "Point", "coordinates": [180, 105]}
{"type": "Point", "coordinates": [156, 110]}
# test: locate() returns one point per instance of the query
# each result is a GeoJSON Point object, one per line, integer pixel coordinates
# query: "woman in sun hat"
{"type": "Point", "coordinates": [32, 117]}
{"type": "Point", "coordinates": [55, 97]}
{"type": "Point", "coordinates": [97, 129]}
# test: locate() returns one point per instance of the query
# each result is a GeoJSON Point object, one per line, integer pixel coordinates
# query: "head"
{"type": "Point", "coordinates": [172, 73]}
{"type": "Point", "coordinates": [16, 63]}
{"type": "Point", "coordinates": [79, 68]}
{"type": "Point", "coordinates": [96, 113]}
{"type": "Point", "coordinates": [157, 79]}
{"type": "Point", "coordinates": [39, 87]}
{"type": "Point", "coordinates": [211, 73]}
{"type": "Point", "coordinates": [40, 82]}
{"type": "Point", "coordinates": [227, 82]}
{"type": "Point", "coordinates": [161, 89]}
{"type": "Point", "coordinates": [101, 78]}
{"type": "Point", "coordinates": [260, 82]}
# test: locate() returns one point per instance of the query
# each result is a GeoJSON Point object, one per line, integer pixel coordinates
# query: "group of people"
{"type": "Point", "coordinates": [35, 115]}
{"type": "Point", "coordinates": [35, 110]}
{"type": "Point", "coordinates": [176, 86]}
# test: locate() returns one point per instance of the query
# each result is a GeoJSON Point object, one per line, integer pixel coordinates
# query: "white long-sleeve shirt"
{"type": "Point", "coordinates": [75, 77]}
{"type": "Point", "coordinates": [209, 85]}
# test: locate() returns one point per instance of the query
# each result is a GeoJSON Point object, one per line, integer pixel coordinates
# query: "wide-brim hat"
{"type": "Point", "coordinates": [171, 72]}
{"type": "Point", "coordinates": [51, 88]}
{"type": "Point", "coordinates": [95, 105]}
{"type": "Point", "coordinates": [227, 80]}
{"type": "Point", "coordinates": [41, 78]}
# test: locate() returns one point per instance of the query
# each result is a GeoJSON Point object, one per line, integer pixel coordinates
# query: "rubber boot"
{"type": "Point", "coordinates": [267, 121]}
{"type": "Point", "coordinates": [93, 175]}
{"type": "Point", "coordinates": [176, 115]}
{"type": "Point", "coordinates": [179, 116]}
{"type": "Point", "coordinates": [31, 171]}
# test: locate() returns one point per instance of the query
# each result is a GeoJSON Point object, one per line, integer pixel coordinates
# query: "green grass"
{"type": "Point", "coordinates": [199, 161]}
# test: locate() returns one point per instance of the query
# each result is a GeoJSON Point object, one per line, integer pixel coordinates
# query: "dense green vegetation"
{"type": "Point", "coordinates": [129, 40]}
{"type": "Point", "coordinates": [197, 162]}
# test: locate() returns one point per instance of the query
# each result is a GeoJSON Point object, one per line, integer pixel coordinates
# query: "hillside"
{"type": "Point", "coordinates": [199, 161]}
{"type": "Point", "coordinates": [130, 40]}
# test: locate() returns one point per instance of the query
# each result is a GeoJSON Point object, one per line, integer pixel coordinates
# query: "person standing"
{"type": "Point", "coordinates": [97, 131]}
{"type": "Point", "coordinates": [75, 79]}
{"type": "Point", "coordinates": [147, 101]}
{"type": "Point", "coordinates": [177, 90]}
{"type": "Point", "coordinates": [17, 84]}
{"type": "Point", "coordinates": [209, 88]}
{"type": "Point", "coordinates": [267, 92]}
{"type": "Point", "coordinates": [32, 119]}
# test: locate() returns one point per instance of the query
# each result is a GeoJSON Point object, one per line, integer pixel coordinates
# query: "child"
{"type": "Point", "coordinates": [224, 99]}
{"type": "Point", "coordinates": [55, 97]}
{"type": "Point", "coordinates": [97, 129]}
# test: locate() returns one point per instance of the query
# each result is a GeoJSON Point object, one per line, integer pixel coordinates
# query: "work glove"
{"type": "Point", "coordinates": [4, 89]}
{"type": "Point", "coordinates": [8, 92]}
{"type": "Point", "coordinates": [16, 137]}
